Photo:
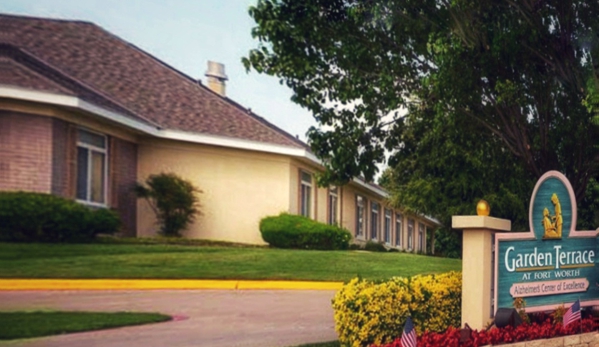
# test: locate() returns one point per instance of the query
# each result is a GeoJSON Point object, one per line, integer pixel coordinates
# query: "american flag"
{"type": "Point", "coordinates": [572, 314]}
{"type": "Point", "coordinates": [408, 338]}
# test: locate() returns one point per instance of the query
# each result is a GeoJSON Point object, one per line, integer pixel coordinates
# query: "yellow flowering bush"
{"type": "Point", "coordinates": [374, 313]}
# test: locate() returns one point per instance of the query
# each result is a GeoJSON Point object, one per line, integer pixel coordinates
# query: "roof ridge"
{"type": "Point", "coordinates": [198, 82]}
{"type": "Point", "coordinates": [200, 100]}
{"type": "Point", "coordinates": [82, 85]}
{"type": "Point", "coordinates": [25, 16]}
{"type": "Point", "coordinates": [191, 79]}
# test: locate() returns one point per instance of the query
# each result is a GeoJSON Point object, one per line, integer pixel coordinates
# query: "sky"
{"type": "Point", "coordinates": [185, 34]}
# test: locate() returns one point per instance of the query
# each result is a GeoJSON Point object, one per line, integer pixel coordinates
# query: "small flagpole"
{"type": "Point", "coordinates": [580, 304]}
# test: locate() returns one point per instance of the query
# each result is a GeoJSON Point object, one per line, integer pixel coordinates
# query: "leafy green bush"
{"type": "Point", "coordinates": [104, 221]}
{"type": "Point", "coordinates": [37, 217]}
{"type": "Point", "coordinates": [173, 200]}
{"type": "Point", "coordinates": [355, 247]}
{"type": "Point", "coordinates": [292, 231]}
{"type": "Point", "coordinates": [374, 246]}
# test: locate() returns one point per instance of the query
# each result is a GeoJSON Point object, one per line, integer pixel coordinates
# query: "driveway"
{"type": "Point", "coordinates": [215, 318]}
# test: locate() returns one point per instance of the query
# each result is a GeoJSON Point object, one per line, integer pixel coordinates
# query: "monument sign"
{"type": "Point", "coordinates": [552, 264]}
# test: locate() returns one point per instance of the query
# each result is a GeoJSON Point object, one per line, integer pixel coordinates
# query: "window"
{"type": "Point", "coordinates": [374, 220]}
{"type": "Point", "coordinates": [91, 167]}
{"type": "Point", "coordinates": [360, 216]}
{"type": "Point", "coordinates": [410, 234]}
{"type": "Point", "coordinates": [397, 229]}
{"type": "Point", "coordinates": [387, 225]}
{"type": "Point", "coordinates": [306, 194]}
{"type": "Point", "coordinates": [420, 237]}
{"type": "Point", "coordinates": [333, 205]}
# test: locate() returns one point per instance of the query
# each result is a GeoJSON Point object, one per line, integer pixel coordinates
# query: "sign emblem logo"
{"type": "Point", "coordinates": [553, 224]}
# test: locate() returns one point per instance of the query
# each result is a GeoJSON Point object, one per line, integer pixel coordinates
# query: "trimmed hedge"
{"type": "Point", "coordinates": [37, 217]}
{"type": "Point", "coordinates": [292, 231]}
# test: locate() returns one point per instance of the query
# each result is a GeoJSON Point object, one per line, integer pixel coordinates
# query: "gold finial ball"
{"type": "Point", "coordinates": [483, 208]}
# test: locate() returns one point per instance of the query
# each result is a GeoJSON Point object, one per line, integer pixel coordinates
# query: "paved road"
{"type": "Point", "coordinates": [215, 318]}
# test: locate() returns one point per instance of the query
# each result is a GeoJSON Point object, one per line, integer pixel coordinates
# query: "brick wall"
{"type": "Point", "coordinates": [61, 144]}
{"type": "Point", "coordinates": [25, 152]}
{"type": "Point", "coordinates": [123, 175]}
{"type": "Point", "coordinates": [583, 340]}
{"type": "Point", "coordinates": [38, 154]}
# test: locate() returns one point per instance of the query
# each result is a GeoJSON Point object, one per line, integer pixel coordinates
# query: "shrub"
{"type": "Point", "coordinates": [373, 313]}
{"type": "Point", "coordinates": [36, 217]}
{"type": "Point", "coordinates": [291, 231]}
{"type": "Point", "coordinates": [104, 221]}
{"type": "Point", "coordinates": [373, 246]}
{"type": "Point", "coordinates": [173, 200]}
{"type": "Point", "coordinates": [355, 247]}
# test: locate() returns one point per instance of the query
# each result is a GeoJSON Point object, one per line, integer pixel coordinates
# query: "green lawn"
{"type": "Point", "coordinates": [19, 325]}
{"type": "Point", "coordinates": [207, 262]}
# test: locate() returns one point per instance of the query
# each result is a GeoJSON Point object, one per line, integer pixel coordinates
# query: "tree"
{"type": "Point", "coordinates": [495, 92]}
{"type": "Point", "coordinates": [173, 199]}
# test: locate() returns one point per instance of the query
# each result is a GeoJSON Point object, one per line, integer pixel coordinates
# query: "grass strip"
{"type": "Point", "coordinates": [165, 261]}
{"type": "Point", "coordinates": [20, 325]}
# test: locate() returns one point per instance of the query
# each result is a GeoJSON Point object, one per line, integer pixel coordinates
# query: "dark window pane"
{"type": "Point", "coordinates": [92, 139]}
{"type": "Point", "coordinates": [305, 200]}
{"type": "Point", "coordinates": [306, 177]}
{"type": "Point", "coordinates": [82, 163]}
{"type": "Point", "coordinates": [97, 178]}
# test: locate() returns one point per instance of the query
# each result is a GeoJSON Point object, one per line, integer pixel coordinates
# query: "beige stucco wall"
{"type": "Point", "coordinates": [348, 209]}
{"type": "Point", "coordinates": [322, 205]}
{"type": "Point", "coordinates": [239, 187]}
{"type": "Point", "coordinates": [294, 179]}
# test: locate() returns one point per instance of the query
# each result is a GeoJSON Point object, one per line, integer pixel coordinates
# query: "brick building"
{"type": "Point", "coordinates": [84, 115]}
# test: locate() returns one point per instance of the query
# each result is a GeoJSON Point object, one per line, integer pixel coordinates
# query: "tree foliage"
{"type": "Point", "coordinates": [173, 199]}
{"type": "Point", "coordinates": [473, 99]}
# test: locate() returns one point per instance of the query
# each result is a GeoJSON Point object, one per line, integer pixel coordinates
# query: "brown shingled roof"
{"type": "Point", "coordinates": [115, 74]}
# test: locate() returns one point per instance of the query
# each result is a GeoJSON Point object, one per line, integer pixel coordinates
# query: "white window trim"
{"type": "Point", "coordinates": [378, 219]}
{"type": "Point", "coordinates": [104, 151]}
{"type": "Point", "coordinates": [311, 197]}
{"type": "Point", "coordinates": [421, 231]}
{"type": "Point", "coordinates": [398, 236]}
{"type": "Point", "coordinates": [361, 236]}
{"type": "Point", "coordinates": [390, 225]}
{"type": "Point", "coordinates": [411, 235]}
{"type": "Point", "coordinates": [333, 193]}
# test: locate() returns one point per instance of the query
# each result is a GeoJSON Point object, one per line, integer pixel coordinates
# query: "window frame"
{"type": "Point", "coordinates": [305, 205]}
{"type": "Point", "coordinates": [398, 229]}
{"type": "Point", "coordinates": [374, 220]}
{"type": "Point", "coordinates": [90, 148]}
{"type": "Point", "coordinates": [388, 217]}
{"type": "Point", "coordinates": [411, 225]}
{"type": "Point", "coordinates": [333, 217]}
{"type": "Point", "coordinates": [360, 212]}
{"type": "Point", "coordinates": [421, 237]}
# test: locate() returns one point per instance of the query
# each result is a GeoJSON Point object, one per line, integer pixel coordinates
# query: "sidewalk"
{"type": "Point", "coordinates": [152, 284]}
{"type": "Point", "coordinates": [207, 318]}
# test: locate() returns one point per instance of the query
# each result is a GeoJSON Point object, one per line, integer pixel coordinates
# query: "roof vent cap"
{"type": "Point", "coordinates": [216, 77]}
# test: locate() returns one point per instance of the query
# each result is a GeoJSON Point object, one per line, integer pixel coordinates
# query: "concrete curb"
{"type": "Point", "coordinates": [135, 284]}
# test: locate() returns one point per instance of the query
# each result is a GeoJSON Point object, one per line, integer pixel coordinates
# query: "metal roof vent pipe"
{"type": "Point", "coordinates": [216, 77]}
